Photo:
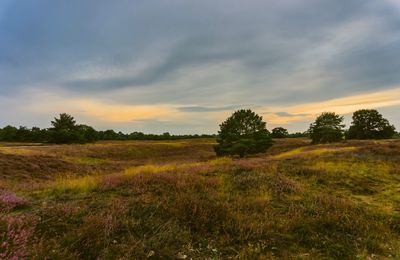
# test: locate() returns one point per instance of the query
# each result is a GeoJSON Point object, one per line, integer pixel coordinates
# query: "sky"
{"type": "Point", "coordinates": [183, 66]}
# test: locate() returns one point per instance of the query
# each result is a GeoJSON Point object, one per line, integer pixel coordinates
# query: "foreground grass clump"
{"type": "Point", "coordinates": [297, 201]}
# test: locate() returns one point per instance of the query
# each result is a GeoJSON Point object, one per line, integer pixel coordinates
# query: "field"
{"type": "Point", "coordinates": [176, 199]}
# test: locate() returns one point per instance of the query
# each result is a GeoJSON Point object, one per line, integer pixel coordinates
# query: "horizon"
{"type": "Point", "coordinates": [346, 122]}
{"type": "Point", "coordinates": [184, 67]}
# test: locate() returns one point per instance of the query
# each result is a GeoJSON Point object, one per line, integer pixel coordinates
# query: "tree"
{"type": "Point", "coordinates": [279, 132]}
{"type": "Point", "coordinates": [23, 134]}
{"type": "Point", "coordinates": [66, 122]}
{"type": "Point", "coordinates": [370, 124]}
{"type": "Point", "coordinates": [8, 133]}
{"type": "Point", "coordinates": [299, 134]}
{"type": "Point", "coordinates": [87, 133]}
{"type": "Point", "coordinates": [38, 135]}
{"type": "Point", "coordinates": [244, 132]}
{"type": "Point", "coordinates": [66, 131]}
{"type": "Point", "coordinates": [327, 128]}
{"type": "Point", "coordinates": [108, 135]}
{"type": "Point", "coordinates": [166, 136]}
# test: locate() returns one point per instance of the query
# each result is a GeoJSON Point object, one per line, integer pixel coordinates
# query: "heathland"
{"type": "Point", "coordinates": [176, 199]}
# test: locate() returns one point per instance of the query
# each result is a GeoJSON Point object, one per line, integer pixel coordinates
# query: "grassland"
{"type": "Point", "coordinates": [145, 199]}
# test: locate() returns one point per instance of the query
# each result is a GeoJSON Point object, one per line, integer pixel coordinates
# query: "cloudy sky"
{"type": "Point", "coordinates": [183, 66]}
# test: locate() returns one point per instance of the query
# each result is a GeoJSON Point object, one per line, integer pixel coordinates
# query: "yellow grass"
{"type": "Point", "coordinates": [85, 160]}
{"type": "Point", "coordinates": [19, 151]}
{"type": "Point", "coordinates": [314, 152]}
{"type": "Point", "coordinates": [90, 182]}
{"type": "Point", "coordinates": [151, 168]}
{"type": "Point", "coordinates": [82, 184]}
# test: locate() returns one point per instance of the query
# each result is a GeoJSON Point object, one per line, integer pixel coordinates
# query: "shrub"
{"type": "Point", "coordinates": [10, 201]}
{"type": "Point", "coordinates": [243, 133]}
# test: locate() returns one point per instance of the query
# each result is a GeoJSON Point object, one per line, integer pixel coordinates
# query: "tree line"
{"type": "Point", "coordinates": [65, 130]}
{"type": "Point", "coordinates": [244, 132]}
{"type": "Point", "coordinates": [239, 130]}
{"type": "Point", "coordinates": [367, 124]}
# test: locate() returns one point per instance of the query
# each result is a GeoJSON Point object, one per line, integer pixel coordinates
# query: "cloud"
{"type": "Point", "coordinates": [100, 110]}
{"type": "Point", "coordinates": [207, 109]}
{"type": "Point", "coordinates": [177, 118]}
{"type": "Point", "coordinates": [344, 105]}
{"type": "Point", "coordinates": [286, 114]}
{"type": "Point", "coordinates": [188, 57]}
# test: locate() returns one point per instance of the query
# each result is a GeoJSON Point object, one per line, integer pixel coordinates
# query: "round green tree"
{"type": "Point", "coordinates": [370, 124]}
{"type": "Point", "coordinates": [244, 132]}
{"type": "Point", "coordinates": [279, 132]}
{"type": "Point", "coordinates": [327, 128]}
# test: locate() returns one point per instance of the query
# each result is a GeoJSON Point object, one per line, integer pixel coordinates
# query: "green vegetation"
{"type": "Point", "coordinates": [243, 133]}
{"type": "Point", "coordinates": [327, 128]}
{"type": "Point", "coordinates": [370, 124]}
{"type": "Point", "coordinates": [65, 130]}
{"type": "Point", "coordinates": [279, 132]}
{"type": "Point", "coordinates": [367, 124]}
{"type": "Point", "coordinates": [175, 199]}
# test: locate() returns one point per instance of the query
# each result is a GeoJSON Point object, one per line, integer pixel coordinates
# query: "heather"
{"type": "Point", "coordinates": [176, 199]}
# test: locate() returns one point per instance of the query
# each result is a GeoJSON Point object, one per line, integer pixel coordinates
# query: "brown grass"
{"type": "Point", "coordinates": [163, 200]}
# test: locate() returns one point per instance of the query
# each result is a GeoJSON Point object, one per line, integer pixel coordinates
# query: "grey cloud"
{"type": "Point", "coordinates": [259, 52]}
{"type": "Point", "coordinates": [206, 109]}
{"type": "Point", "coordinates": [286, 114]}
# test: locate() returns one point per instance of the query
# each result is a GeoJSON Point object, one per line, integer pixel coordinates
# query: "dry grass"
{"type": "Point", "coordinates": [136, 200]}
{"type": "Point", "coordinates": [314, 151]}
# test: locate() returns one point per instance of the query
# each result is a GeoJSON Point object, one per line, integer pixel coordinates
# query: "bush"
{"type": "Point", "coordinates": [243, 133]}
{"type": "Point", "coordinates": [327, 128]}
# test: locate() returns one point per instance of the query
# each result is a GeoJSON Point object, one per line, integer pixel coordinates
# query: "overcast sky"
{"type": "Point", "coordinates": [183, 66]}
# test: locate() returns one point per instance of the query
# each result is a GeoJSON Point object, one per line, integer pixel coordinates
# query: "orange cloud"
{"type": "Point", "coordinates": [123, 113]}
{"type": "Point", "coordinates": [99, 110]}
{"type": "Point", "coordinates": [342, 105]}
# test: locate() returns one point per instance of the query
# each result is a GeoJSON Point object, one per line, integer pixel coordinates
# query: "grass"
{"type": "Point", "coordinates": [137, 200]}
{"type": "Point", "coordinates": [82, 184]}
{"type": "Point", "coordinates": [313, 152]}
{"type": "Point", "coordinates": [86, 160]}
